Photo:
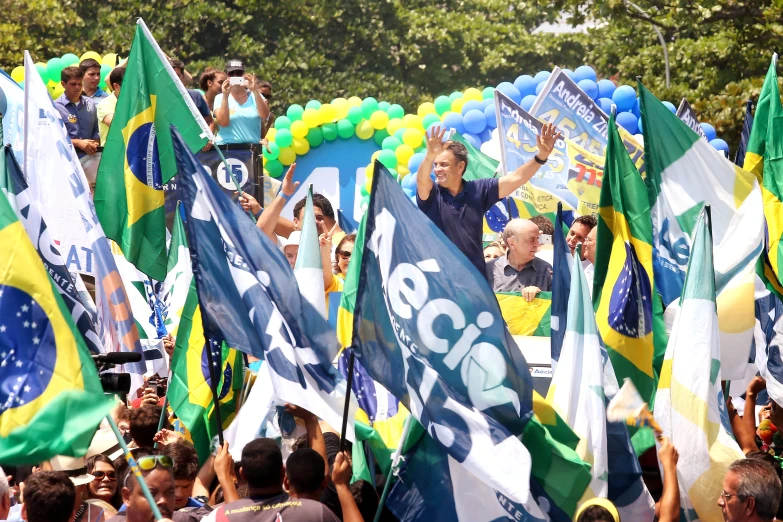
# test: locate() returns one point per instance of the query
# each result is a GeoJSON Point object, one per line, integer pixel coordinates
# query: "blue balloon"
{"type": "Point", "coordinates": [454, 120]}
{"type": "Point", "coordinates": [486, 135]}
{"type": "Point", "coordinates": [432, 126]}
{"type": "Point", "coordinates": [525, 84]}
{"type": "Point", "coordinates": [605, 104]}
{"type": "Point", "coordinates": [569, 73]}
{"type": "Point", "coordinates": [671, 107]}
{"type": "Point", "coordinates": [472, 139]}
{"type": "Point", "coordinates": [509, 90]}
{"type": "Point", "coordinates": [471, 105]}
{"type": "Point", "coordinates": [409, 181]}
{"type": "Point", "coordinates": [491, 116]}
{"type": "Point", "coordinates": [542, 76]}
{"type": "Point", "coordinates": [486, 103]}
{"type": "Point", "coordinates": [606, 88]}
{"type": "Point", "coordinates": [636, 109]}
{"type": "Point", "coordinates": [627, 121]}
{"type": "Point", "coordinates": [639, 124]}
{"type": "Point", "coordinates": [590, 88]}
{"type": "Point", "coordinates": [719, 144]}
{"type": "Point", "coordinates": [540, 87]}
{"type": "Point", "coordinates": [624, 97]}
{"type": "Point", "coordinates": [584, 72]}
{"type": "Point", "coordinates": [408, 192]}
{"type": "Point", "coordinates": [474, 121]}
{"type": "Point", "coordinates": [709, 131]}
{"type": "Point", "coordinates": [527, 101]}
{"type": "Point", "coordinates": [413, 163]}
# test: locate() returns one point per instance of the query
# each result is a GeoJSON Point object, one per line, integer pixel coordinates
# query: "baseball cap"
{"type": "Point", "coordinates": [234, 65]}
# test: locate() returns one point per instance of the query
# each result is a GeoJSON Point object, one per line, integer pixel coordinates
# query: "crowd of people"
{"type": "Point", "coordinates": [313, 482]}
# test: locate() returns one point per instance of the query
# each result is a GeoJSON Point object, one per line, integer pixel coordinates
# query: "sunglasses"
{"type": "Point", "coordinates": [100, 475]}
{"type": "Point", "coordinates": [268, 96]}
{"type": "Point", "coordinates": [344, 254]}
{"type": "Point", "coordinates": [150, 461]}
{"type": "Point", "coordinates": [236, 73]}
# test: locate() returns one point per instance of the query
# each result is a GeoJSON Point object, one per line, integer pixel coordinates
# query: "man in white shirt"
{"type": "Point", "coordinates": [588, 254]}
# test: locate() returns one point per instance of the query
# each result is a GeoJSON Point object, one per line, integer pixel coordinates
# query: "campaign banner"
{"type": "Point", "coordinates": [571, 175]}
{"type": "Point", "coordinates": [686, 113]}
{"type": "Point", "coordinates": [12, 109]}
{"type": "Point", "coordinates": [579, 118]}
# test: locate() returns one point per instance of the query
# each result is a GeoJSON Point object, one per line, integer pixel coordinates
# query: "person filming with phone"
{"type": "Point", "coordinates": [240, 108]}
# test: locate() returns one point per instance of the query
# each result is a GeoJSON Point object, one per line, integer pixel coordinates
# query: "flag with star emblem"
{"type": "Point", "coordinates": [689, 404]}
{"type": "Point", "coordinates": [51, 400]}
{"type": "Point", "coordinates": [628, 311]}
{"type": "Point", "coordinates": [139, 159]}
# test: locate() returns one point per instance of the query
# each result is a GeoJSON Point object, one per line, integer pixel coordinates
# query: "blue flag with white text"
{"type": "Point", "coordinates": [561, 285]}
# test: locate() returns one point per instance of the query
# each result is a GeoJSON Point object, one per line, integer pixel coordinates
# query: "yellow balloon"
{"type": "Point", "coordinates": [368, 185]}
{"type": "Point", "coordinates": [393, 126]}
{"type": "Point", "coordinates": [368, 170]}
{"type": "Point", "coordinates": [287, 156]}
{"type": "Point", "coordinates": [374, 157]}
{"type": "Point", "coordinates": [379, 120]}
{"type": "Point", "coordinates": [404, 153]}
{"type": "Point", "coordinates": [51, 84]}
{"type": "Point", "coordinates": [58, 90]}
{"type": "Point", "coordinates": [90, 54]}
{"type": "Point", "coordinates": [412, 121]}
{"type": "Point", "coordinates": [311, 118]}
{"type": "Point", "coordinates": [342, 106]}
{"type": "Point", "coordinates": [110, 60]}
{"type": "Point", "coordinates": [472, 94]}
{"type": "Point", "coordinates": [355, 101]}
{"type": "Point", "coordinates": [328, 113]}
{"type": "Point", "coordinates": [412, 138]}
{"type": "Point", "coordinates": [18, 74]}
{"type": "Point", "coordinates": [402, 170]}
{"type": "Point", "coordinates": [300, 146]}
{"type": "Point", "coordinates": [457, 104]}
{"type": "Point", "coordinates": [364, 130]}
{"type": "Point", "coordinates": [270, 134]}
{"type": "Point", "coordinates": [427, 108]}
{"type": "Point", "coordinates": [299, 129]}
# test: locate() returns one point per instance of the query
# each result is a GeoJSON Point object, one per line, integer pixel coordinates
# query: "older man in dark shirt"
{"type": "Point", "coordinates": [78, 113]}
{"type": "Point", "coordinates": [520, 270]}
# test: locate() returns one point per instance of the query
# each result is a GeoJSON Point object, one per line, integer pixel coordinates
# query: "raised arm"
{"type": "Point", "coordinates": [221, 113]}
{"type": "Point", "coordinates": [261, 105]}
{"type": "Point", "coordinates": [315, 437]}
{"type": "Point", "coordinates": [268, 220]}
{"type": "Point", "coordinates": [546, 143]}
{"type": "Point", "coordinates": [669, 505]}
{"type": "Point", "coordinates": [341, 477]}
{"type": "Point", "coordinates": [434, 147]}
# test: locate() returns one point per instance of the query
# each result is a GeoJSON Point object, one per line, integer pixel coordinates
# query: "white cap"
{"type": "Point", "coordinates": [104, 442]}
{"type": "Point", "coordinates": [293, 239]}
{"type": "Point", "coordinates": [74, 467]}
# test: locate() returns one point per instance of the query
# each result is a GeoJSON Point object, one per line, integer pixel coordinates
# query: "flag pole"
{"type": "Point", "coordinates": [135, 468]}
{"type": "Point", "coordinates": [349, 383]}
{"type": "Point", "coordinates": [394, 466]}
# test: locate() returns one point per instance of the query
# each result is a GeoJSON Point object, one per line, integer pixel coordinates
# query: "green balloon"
{"type": "Point", "coordinates": [384, 106]}
{"type": "Point", "coordinates": [282, 123]}
{"type": "Point", "coordinates": [105, 70]}
{"type": "Point", "coordinates": [394, 174]}
{"type": "Point", "coordinates": [399, 134]}
{"type": "Point", "coordinates": [54, 68]}
{"type": "Point", "coordinates": [315, 137]}
{"type": "Point", "coordinates": [429, 119]}
{"type": "Point", "coordinates": [442, 105]}
{"type": "Point", "coordinates": [488, 93]}
{"type": "Point", "coordinates": [456, 95]}
{"type": "Point", "coordinates": [388, 158]}
{"type": "Point", "coordinates": [295, 112]}
{"type": "Point", "coordinates": [345, 128]}
{"type": "Point", "coordinates": [272, 151]}
{"type": "Point", "coordinates": [274, 168]}
{"type": "Point", "coordinates": [329, 131]}
{"type": "Point", "coordinates": [369, 105]}
{"type": "Point", "coordinates": [355, 115]}
{"type": "Point", "coordinates": [363, 190]}
{"type": "Point", "coordinates": [396, 111]}
{"type": "Point", "coordinates": [313, 104]}
{"type": "Point", "coordinates": [42, 71]}
{"type": "Point", "coordinates": [69, 59]}
{"type": "Point", "coordinates": [379, 136]}
{"type": "Point", "coordinates": [284, 138]}
{"type": "Point", "coordinates": [391, 143]}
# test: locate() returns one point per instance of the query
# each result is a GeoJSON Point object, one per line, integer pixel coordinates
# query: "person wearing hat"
{"type": "Point", "coordinates": [290, 247]}
{"type": "Point", "coordinates": [76, 470]}
{"type": "Point", "coordinates": [240, 108]}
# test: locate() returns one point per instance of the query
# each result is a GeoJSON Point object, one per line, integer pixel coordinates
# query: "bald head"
{"type": "Point", "coordinates": [521, 236]}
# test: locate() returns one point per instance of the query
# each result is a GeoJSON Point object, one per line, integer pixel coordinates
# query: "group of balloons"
{"type": "Point", "coordinates": [51, 70]}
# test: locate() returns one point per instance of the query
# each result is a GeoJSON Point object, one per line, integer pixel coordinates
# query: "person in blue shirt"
{"type": "Point", "coordinates": [456, 206]}
{"type": "Point", "coordinates": [92, 78]}
{"type": "Point", "coordinates": [78, 113]}
{"type": "Point", "coordinates": [239, 108]}
{"type": "Point", "coordinates": [196, 96]}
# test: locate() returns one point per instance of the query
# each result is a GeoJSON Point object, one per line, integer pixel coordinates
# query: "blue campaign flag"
{"type": "Point", "coordinates": [429, 329]}
{"type": "Point", "coordinates": [747, 125]}
{"type": "Point", "coordinates": [561, 285]}
{"type": "Point", "coordinates": [249, 297]}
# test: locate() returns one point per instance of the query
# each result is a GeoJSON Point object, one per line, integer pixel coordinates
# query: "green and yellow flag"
{"type": "Point", "coordinates": [527, 317]}
{"type": "Point", "coordinates": [139, 158]}
{"type": "Point", "coordinates": [51, 399]}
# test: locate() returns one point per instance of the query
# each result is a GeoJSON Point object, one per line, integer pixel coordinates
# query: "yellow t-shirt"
{"type": "Point", "coordinates": [105, 107]}
{"type": "Point", "coordinates": [337, 285]}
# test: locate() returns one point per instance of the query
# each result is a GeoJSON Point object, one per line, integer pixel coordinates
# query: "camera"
{"type": "Point", "coordinates": [236, 80]}
{"type": "Point", "coordinates": [118, 383]}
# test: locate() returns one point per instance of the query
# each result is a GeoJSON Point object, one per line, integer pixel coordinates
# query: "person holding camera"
{"type": "Point", "coordinates": [240, 108]}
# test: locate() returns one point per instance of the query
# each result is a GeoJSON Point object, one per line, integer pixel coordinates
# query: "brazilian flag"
{"type": "Point", "coordinates": [190, 393]}
{"type": "Point", "coordinates": [51, 400]}
{"type": "Point", "coordinates": [139, 158]}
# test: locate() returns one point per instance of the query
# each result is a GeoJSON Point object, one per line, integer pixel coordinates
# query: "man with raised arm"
{"type": "Point", "coordinates": [456, 206]}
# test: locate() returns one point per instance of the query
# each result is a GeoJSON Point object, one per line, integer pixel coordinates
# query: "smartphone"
{"type": "Point", "coordinates": [236, 80]}
{"type": "Point", "coordinates": [544, 239]}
